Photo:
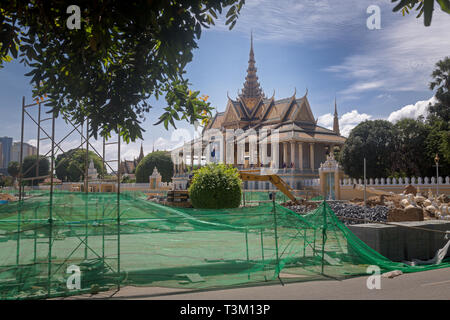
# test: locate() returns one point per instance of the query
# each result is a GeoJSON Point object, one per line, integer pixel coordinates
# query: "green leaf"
{"type": "Point", "coordinates": [445, 5]}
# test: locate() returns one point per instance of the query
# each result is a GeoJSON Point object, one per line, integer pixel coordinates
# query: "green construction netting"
{"type": "Point", "coordinates": [154, 245]}
{"type": "Point", "coordinates": [262, 196]}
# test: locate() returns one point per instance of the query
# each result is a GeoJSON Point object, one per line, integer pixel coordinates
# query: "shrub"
{"type": "Point", "coordinates": [215, 186]}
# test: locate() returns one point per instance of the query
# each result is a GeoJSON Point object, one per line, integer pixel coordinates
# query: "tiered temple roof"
{"type": "Point", "coordinates": [251, 109]}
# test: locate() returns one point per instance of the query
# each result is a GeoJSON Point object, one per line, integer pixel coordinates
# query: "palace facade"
{"type": "Point", "coordinates": [301, 144]}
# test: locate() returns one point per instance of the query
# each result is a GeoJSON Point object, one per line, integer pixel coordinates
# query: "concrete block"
{"type": "Point", "coordinates": [404, 240]}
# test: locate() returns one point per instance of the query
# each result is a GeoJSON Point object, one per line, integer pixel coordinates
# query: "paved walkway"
{"type": "Point", "coordinates": [432, 285]}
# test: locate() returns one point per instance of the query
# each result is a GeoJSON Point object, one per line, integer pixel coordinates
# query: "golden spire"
{"type": "Point", "coordinates": [336, 119]}
{"type": "Point", "coordinates": [251, 85]}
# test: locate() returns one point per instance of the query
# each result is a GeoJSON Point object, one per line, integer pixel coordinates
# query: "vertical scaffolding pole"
{"type": "Point", "coordinates": [324, 233]}
{"type": "Point", "coordinates": [21, 150]}
{"type": "Point", "coordinates": [276, 240]}
{"type": "Point", "coordinates": [118, 209]}
{"type": "Point", "coordinates": [246, 247]}
{"type": "Point", "coordinates": [38, 139]}
{"type": "Point", "coordinates": [35, 235]}
{"type": "Point", "coordinates": [103, 232]}
{"type": "Point", "coordinates": [50, 219]}
{"type": "Point", "coordinates": [20, 186]}
{"type": "Point", "coordinates": [304, 242]}
{"type": "Point", "coordinates": [103, 160]}
{"type": "Point", "coordinates": [262, 252]}
{"type": "Point", "coordinates": [86, 186]}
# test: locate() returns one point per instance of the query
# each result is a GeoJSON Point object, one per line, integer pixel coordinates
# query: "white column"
{"type": "Point", "coordinates": [285, 154]}
{"type": "Point", "coordinates": [311, 155]}
{"type": "Point", "coordinates": [293, 154]}
{"type": "Point", "coordinates": [224, 149]}
{"type": "Point", "coordinates": [300, 156]}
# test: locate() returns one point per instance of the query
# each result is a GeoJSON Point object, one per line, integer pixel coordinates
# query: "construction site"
{"type": "Point", "coordinates": [248, 195]}
{"type": "Point", "coordinates": [120, 238]}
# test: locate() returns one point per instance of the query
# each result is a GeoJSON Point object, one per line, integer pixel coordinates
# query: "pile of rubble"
{"type": "Point", "coordinates": [347, 213]}
{"type": "Point", "coordinates": [8, 197]}
{"type": "Point", "coordinates": [355, 214]}
{"type": "Point", "coordinates": [411, 205]}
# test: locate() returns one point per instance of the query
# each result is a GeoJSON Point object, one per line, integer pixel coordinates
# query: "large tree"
{"type": "Point", "coordinates": [374, 140]}
{"type": "Point", "coordinates": [70, 165]}
{"type": "Point", "coordinates": [29, 168]}
{"type": "Point", "coordinates": [423, 7]}
{"type": "Point", "coordinates": [159, 159]}
{"type": "Point", "coordinates": [13, 169]}
{"type": "Point", "coordinates": [441, 83]}
{"type": "Point", "coordinates": [438, 141]}
{"type": "Point", "coordinates": [124, 53]}
{"type": "Point", "coordinates": [409, 159]}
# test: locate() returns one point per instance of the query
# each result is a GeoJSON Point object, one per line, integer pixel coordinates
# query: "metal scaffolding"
{"type": "Point", "coordinates": [55, 147]}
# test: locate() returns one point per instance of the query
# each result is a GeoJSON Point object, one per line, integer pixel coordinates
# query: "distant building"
{"type": "Point", "coordinates": [28, 150]}
{"type": "Point", "coordinates": [6, 143]}
{"type": "Point", "coordinates": [128, 167]}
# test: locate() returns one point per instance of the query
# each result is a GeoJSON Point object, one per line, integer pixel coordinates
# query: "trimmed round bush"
{"type": "Point", "coordinates": [215, 186]}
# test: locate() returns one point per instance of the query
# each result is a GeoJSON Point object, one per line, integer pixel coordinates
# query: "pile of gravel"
{"type": "Point", "coordinates": [346, 210]}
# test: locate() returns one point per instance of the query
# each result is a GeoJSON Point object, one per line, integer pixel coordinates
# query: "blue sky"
{"type": "Point", "coordinates": [322, 45]}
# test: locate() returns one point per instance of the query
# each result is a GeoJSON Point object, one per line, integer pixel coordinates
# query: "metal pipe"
{"type": "Point", "coordinates": [38, 138]}
{"type": "Point", "coordinates": [118, 209]}
{"type": "Point", "coordinates": [248, 258]}
{"type": "Point", "coordinates": [86, 186]}
{"type": "Point", "coordinates": [50, 220]}
{"type": "Point", "coordinates": [324, 231]}
{"type": "Point", "coordinates": [103, 159]}
{"type": "Point", "coordinates": [21, 150]}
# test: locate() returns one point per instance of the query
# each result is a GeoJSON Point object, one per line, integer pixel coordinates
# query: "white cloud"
{"type": "Point", "coordinates": [351, 119]}
{"type": "Point", "coordinates": [300, 21]}
{"type": "Point", "coordinates": [360, 87]}
{"type": "Point", "coordinates": [177, 139]}
{"type": "Point", "coordinates": [347, 121]}
{"type": "Point", "coordinates": [413, 111]}
{"type": "Point", "coordinates": [399, 57]}
{"type": "Point", "coordinates": [326, 120]}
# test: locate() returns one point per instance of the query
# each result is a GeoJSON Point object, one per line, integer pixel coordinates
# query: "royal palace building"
{"type": "Point", "coordinates": [288, 140]}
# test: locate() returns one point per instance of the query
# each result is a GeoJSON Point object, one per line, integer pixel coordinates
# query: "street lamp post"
{"type": "Point", "coordinates": [436, 160]}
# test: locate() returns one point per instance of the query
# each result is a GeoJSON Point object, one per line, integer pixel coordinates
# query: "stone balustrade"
{"type": "Point", "coordinates": [397, 182]}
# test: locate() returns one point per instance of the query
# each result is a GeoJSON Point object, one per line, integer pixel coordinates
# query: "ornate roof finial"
{"type": "Point", "coordinates": [141, 154]}
{"type": "Point", "coordinates": [251, 42]}
{"type": "Point", "coordinates": [251, 85]}
{"type": "Point", "coordinates": [336, 119]}
{"type": "Point", "coordinates": [306, 93]}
